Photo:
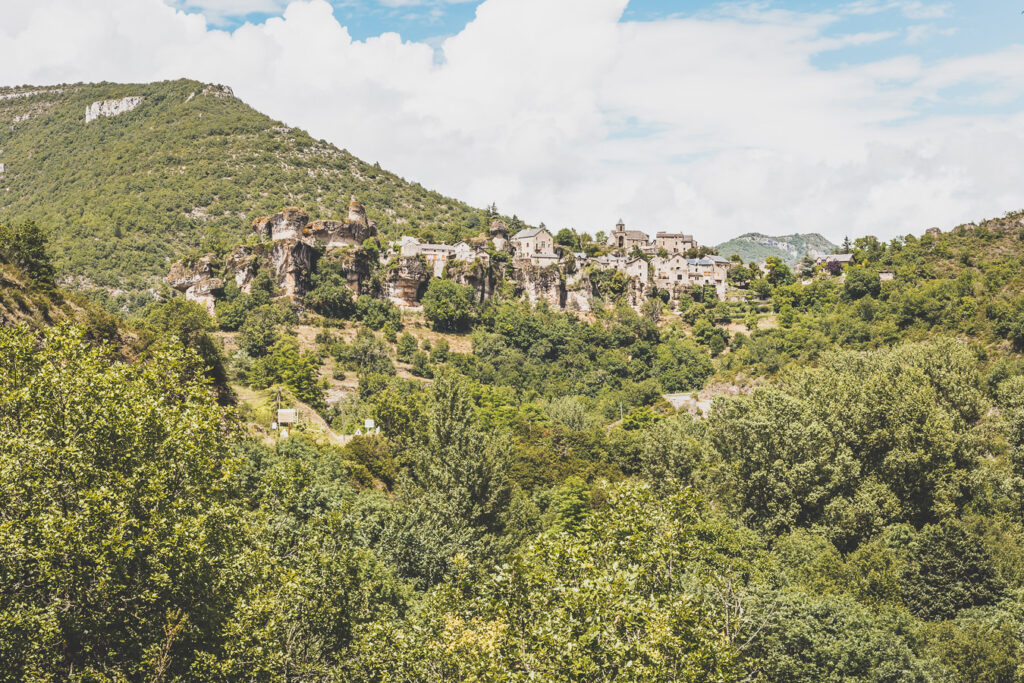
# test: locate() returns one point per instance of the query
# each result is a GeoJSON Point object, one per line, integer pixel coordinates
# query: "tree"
{"type": "Point", "coordinates": [190, 324]}
{"type": "Point", "coordinates": [458, 496]}
{"type": "Point", "coordinates": [778, 272]}
{"type": "Point", "coordinates": [806, 267]}
{"type": "Point", "coordinates": [117, 533]}
{"type": "Point", "coordinates": [949, 570]}
{"type": "Point", "coordinates": [26, 245]}
{"type": "Point", "coordinates": [567, 238]}
{"type": "Point", "coordinates": [604, 594]}
{"type": "Point", "coordinates": [861, 282]}
{"type": "Point", "coordinates": [331, 298]}
{"type": "Point", "coordinates": [810, 638]}
{"type": "Point", "coordinates": [284, 364]}
{"type": "Point", "coordinates": [448, 305]}
{"type": "Point", "coordinates": [259, 331]}
{"type": "Point", "coordinates": [407, 345]}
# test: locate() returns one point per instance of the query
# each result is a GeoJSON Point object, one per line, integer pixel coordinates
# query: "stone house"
{"type": "Point", "coordinates": [674, 242]}
{"type": "Point", "coordinates": [436, 255]}
{"type": "Point", "coordinates": [534, 244]}
{"type": "Point", "coordinates": [835, 262]}
{"type": "Point", "coordinates": [464, 251]}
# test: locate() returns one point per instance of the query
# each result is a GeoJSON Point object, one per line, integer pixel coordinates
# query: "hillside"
{"type": "Point", "coordinates": [187, 168]}
{"type": "Point", "coordinates": [754, 246]}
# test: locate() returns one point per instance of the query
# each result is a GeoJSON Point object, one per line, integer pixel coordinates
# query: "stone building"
{"type": "Point", "coordinates": [678, 273]}
{"type": "Point", "coordinates": [536, 244]}
{"type": "Point", "coordinates": [674, 242]}
{"type": "Point", "coordinates": [620, 238]}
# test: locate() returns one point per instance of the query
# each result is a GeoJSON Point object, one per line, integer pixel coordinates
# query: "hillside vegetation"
{"type": "Point", "coordinates": [755, 246]}
{"type": "Point", "coordinates": [188, 168]}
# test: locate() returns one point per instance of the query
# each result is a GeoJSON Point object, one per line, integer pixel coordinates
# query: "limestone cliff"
{"type": "Point", "coordinates": [481, 277]}
{"type": "Point", "coordinates": [198, 281]}
{"type": "Point", "coordinates": [111, 107]}
{"type": "Point", "coordinates": [540, 283]}
{"type": "Point", "coordinates": [406, 281]}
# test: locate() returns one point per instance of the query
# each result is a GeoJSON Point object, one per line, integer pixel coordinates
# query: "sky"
{"type": "Point", "coordinates": [880, 117]}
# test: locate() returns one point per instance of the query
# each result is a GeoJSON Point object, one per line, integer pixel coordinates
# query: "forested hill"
{"type": "Point", "coordinates": [187, 168]}
{"type": "Point", "coordinates": [755, 246]}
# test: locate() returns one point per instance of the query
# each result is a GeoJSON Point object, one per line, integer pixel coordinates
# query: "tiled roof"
{"type": "Point", "coordinates": [527, 233]}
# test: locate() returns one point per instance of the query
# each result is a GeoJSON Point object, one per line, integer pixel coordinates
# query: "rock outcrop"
{"type": "Point", "coordinates": [111, 107]}
{"type": "Point", "coordinates": [406, 283]}
{"type": "Point", "coordinates": [198, 281]}
{"type": "Point", "coordinates": [540, 283]}
{"type": "Point", "coordinates": [336, 234]}
{"type": "Point", "coordinates": [292, 263]}
{"type": "Point", "coordinates": [243, 263]}
{"type": "Point", "coordinates": [479, 276]}
{"type": "Point", "coordinates": [283, 225]}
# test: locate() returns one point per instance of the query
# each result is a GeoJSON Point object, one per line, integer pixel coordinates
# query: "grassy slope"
{"type": "Point", "coordinates": [186, 170]}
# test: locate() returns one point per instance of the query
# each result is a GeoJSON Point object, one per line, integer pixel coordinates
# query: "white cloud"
{"type": "Point", "coordinates": [911, 9]}
{"type": "Point", "coordinates": [716, 124]}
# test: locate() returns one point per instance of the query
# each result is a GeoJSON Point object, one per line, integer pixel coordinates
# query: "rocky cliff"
{"type": "Point", "coordinates": [199, 280]}
{"type": "Point", "coordinates": [406, 281]}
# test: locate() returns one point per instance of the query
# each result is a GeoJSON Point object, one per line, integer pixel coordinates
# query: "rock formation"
{"type": "Point", "coordinates": [540, 283]}
{"type": "Point", "coordinates": [481, 277]}
{"type": "Point", "coordinates": [243, 263]}
{"type": "Point", "coordinates": [284, 225]}
{"type": "Point", "coordinates": [406, 283]}
{"type": "Point", "coordinates": [111, 107]}
{"type": "Point", "coordinates": [198, 281]}
{"type": "Point", "coordinates": [292, 263]}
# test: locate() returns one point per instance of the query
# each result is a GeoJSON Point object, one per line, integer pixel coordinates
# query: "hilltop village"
{"type": "Point", "coordinates": [627, 262]}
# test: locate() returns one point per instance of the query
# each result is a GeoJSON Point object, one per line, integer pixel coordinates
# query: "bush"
{"type": "Point", "coordinates": [448, 305]}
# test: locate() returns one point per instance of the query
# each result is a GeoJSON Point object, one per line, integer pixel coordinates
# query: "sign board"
{"type": "Point", "coordinates": [369, 424]}
{"type": "Point", "coordinates": [287, 416]}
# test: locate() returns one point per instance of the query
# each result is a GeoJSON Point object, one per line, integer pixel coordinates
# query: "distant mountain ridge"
{"type": "Point", "coordinates": [756, 246]}
{"type": "Point", "coordinates": [129, 177]}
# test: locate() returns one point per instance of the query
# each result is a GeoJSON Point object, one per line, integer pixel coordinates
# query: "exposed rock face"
{"type": "Point", "coordinates": [284, 225]}
{"type": "Point", "coordinates": [292, 263]}
{"type": "Point", "coordinates": [242, 263]}
{"type": "Point", "coordinates": [579, 291]}
{"type": "Point", "coordinates": [499, 234]}
{"type": "Point", "coordinates": [474, 274]}
{"type": "Point", "coordinates": [357, 212]}
{"type": "Point", "coordinates": [111, 107]}
{"type": "Point", "coordinates": [407, 283]}
{"type": "Point", "coordinates": [336, 234]}
{"type": "Point", "coordinates": [198, 281]}
{"type": "Point", "coordinates": [205, 293]}
{"type": "Point", "coordinates": [540, 283]}
{"type": "Point", "coordinates": [182, 277]}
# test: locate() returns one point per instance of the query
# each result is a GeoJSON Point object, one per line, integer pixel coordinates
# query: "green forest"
{"type": "Point", "coordinates": [532, 507]}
